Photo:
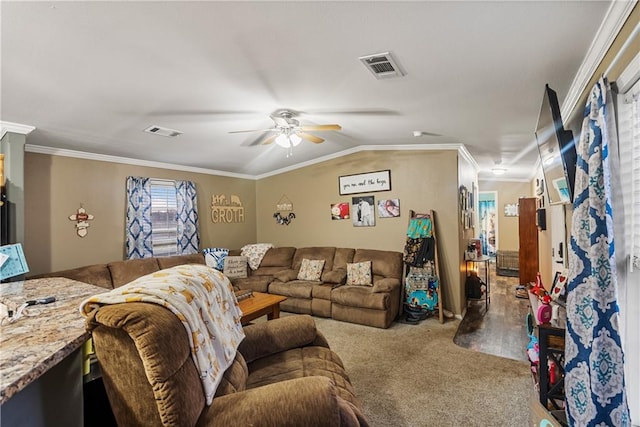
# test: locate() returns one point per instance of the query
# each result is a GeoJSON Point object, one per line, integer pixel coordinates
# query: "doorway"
{"type": "Point", "coordinates": [487, 216]}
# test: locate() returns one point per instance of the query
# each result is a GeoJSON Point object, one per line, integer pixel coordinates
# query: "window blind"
{"type": "Point", "coordinates": [629, 140]}
{"type": "Point", "coordinates": [164, 234]}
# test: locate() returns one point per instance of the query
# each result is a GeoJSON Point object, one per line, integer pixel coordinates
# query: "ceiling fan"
{"type": "Point", "coordinates": [289, 133]}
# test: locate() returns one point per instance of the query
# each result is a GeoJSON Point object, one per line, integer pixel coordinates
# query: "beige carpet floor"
{"type": "Point", "coordinates": [414, 375]}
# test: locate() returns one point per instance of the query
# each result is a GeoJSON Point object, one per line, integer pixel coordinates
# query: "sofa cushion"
{"type": "Point", "coordinates": [325, 253]}
{"type": "Point", "coordinates": [385, 285]}
{"type": "Point", "coordinates": [359, 273]}
{"type": "Point", "coordinates": [336, 277]}
{"type": "Point", "coordinates": [172, 261]}
{"type": "Point", "coordinates": [286, 275]}
{"type": "Point", "coordinates": [302, 362]}
{"type": "Point", "coordinates": [278, 257]}
{"type": "Point", "coordinates": [234, 378]}
{"type": "Point", "coordinates": [383, 263]}
{"type": "Point", "coordinates": [123, 272]}
{"type": "Point", "coordinates": [235, 266]}
{"type": "Point", "coordinates": [294, 288]}
{"type": "Point", "coordinates": [97, 274]}
{"type": "Point", "coordinates": [311, 269]}
{"type": "Point", "coordinates": [254, 283]}
{"type": "Point", "coordinates": [342, 257]}
{"type": "Point", "coordinates": [361, 296]}
{"type": "Point", "coordinates": [322, 291]}
{"type": "Point", "coordinates": [268, 271]}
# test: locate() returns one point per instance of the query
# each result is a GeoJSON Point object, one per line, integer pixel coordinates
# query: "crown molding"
{"type": "Point", "coordinates": [15, 128]}
{"type": "Point", "coordinates": [613, 21]}
{"type": "Point", "coordinates": [360, 148]}
{"type": "Point", "coordinates": [497, 179]}
{"type": "Point", "coordinates": [39, 149]}
{"type": "Point", "coordinates": [630, 75]}
{"type": "Point", "coordinates": [462, 150]}
{"type": "Point", "coordinates": [128, 161]}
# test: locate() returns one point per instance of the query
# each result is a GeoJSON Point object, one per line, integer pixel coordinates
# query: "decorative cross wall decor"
{"type": "Point", "coordinates": [81, 217]}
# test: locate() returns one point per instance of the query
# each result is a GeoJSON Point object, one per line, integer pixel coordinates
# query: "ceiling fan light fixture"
{"type": "Point", "coordinates": [295, 139]}
{"type": "Point", "coordinates": [283, 141]}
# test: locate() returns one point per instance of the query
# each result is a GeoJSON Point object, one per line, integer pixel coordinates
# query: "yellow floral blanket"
{"type": "Point", "coordinates": [204, 301]}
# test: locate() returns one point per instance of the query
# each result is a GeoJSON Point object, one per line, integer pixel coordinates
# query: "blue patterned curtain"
{"type": "Point", "coordinates": [594, 381]}
{"type": "Point", "coordinates": [138, 239]}
{"type": "Point", "coordinates": [487, 214]}
{"type": "Point", "coordinates": [188, 237]}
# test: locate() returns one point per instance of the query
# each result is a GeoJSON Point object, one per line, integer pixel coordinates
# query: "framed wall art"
{"type": "Point", "coordinates": [389, 208]}
{"type": "Point", "coordinates": [362, 211]}
{"type": "Point", "coordinates": [511, 209]}
{"type": "Point", "coordinates": [369, 182]}
{"type": "Point", "coordinates": [340, 211]}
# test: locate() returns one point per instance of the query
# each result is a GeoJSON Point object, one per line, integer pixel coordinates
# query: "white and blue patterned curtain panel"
{"type": "Point", "coordinates": [594, 380]}
{"type": "Point", "coordinates": [188, 237]}
{"type": "Point", "coordinates": [138, 231]}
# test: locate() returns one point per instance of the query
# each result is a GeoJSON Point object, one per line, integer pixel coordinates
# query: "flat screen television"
{"type": "Point", "coordinates": [557, 150]}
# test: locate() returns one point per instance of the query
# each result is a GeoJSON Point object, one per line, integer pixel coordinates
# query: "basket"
{"type": "Point", "coordinates": [507, 263]}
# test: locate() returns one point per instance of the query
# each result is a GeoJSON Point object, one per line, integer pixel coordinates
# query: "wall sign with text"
{"type": "Point", "coordinates": [369, 182]}
{"type": "Point", "coordinates": [225, 210]}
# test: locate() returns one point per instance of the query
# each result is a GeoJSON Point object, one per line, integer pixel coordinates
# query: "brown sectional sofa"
{"type": "Point", "coordinates": [376, 305]}
{"type": "Point", "coordinates": [119, 273]}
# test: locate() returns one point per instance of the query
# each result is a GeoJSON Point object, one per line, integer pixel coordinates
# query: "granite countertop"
{"type": "Point", "coordinates": [45, 334]}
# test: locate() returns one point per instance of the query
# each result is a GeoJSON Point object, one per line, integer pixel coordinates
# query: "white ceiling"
{"type": "Point", "coordinates": [90, 76]}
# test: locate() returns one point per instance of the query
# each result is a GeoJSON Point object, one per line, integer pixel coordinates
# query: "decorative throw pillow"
{"type": "Point", "coordinates": [311, 269]}
{"type": "Point", "coordinates": [214, 257]}
{"type": "Point", "coordinates": [235, 267]}
{"type": "Point", "coordinates": [359, 273]}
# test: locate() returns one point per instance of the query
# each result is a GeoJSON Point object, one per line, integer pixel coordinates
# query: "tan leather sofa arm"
{"type": "Point", "coordinates": [266, 338]}
{"type": "Point", "coordinates": [309, 401]}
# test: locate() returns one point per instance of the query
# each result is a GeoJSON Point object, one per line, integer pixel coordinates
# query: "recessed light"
{"type": "Point", "coordinates": [498, 171]}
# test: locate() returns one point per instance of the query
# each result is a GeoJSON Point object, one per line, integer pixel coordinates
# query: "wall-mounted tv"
{"type": "Point", "coordinates": [557, 150]}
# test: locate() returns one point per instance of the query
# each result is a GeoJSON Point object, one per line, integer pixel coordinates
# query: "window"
{"type": "Point", "coordinates": [628, 107]}
{"type": "Point", "coordinates": [164, 218]}
{"type": "Point", "coordinates": [629, 140]}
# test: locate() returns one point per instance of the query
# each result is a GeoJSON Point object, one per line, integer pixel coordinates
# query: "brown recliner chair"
{"type": "Point", "coordinates": [284, 373]}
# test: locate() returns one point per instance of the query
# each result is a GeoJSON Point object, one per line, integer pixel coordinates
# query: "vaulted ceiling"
{"type": "Point", "coordinates": [91, 76]}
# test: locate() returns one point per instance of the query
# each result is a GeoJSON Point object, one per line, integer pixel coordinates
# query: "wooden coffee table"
{"type": "Point", "coordinates": [260, 304]}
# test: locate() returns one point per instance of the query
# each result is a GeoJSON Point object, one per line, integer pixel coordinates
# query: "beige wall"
{"type": "Point", "coordinates": [507, 192]}
{"type": "Point", "coordinates": [56, 186]}
{"type": "Point", "coordinates": [422, 180]}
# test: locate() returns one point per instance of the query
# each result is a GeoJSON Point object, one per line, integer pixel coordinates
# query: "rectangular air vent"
{"type": "Point", "coordinates": [157, 130]}
{"type": "Point", "coordinates": [382, 65]}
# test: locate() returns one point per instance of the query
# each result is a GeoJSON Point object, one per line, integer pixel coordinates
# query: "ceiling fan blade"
{"type": "Point", "coordinates": [254, 130]}
{"type": "Point", "coordinates": [269, 140]}
{"type": "Point", "coordinates": [321, 127]}
{"type": "Point", "coordinates": [309, 137]}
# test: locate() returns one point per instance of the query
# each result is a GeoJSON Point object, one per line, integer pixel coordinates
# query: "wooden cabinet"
{"type": "Point", "coordinates": [528, 238]}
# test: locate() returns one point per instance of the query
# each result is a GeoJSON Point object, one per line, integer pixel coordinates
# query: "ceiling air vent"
{"type": "Point", "coordinates": [157, 130]}
{"type": "Point", "coordinates": [382, 65]}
